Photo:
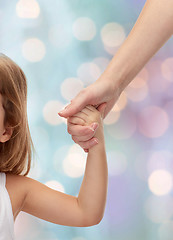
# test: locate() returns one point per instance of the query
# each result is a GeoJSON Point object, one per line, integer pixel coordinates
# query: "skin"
{"type": "Point", "coordinates": [152, 29]}
{"type": "Point", "coordinates": [37, 199]}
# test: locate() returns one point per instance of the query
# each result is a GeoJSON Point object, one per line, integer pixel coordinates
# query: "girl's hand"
{"type": "Point", "coordinates": [89, 116]}
{"type": "Point", "coordinates": [86, 137]}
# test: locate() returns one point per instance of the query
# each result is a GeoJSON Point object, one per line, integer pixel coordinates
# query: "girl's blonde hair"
{"type": "Point", "coordinates": [16, 153]}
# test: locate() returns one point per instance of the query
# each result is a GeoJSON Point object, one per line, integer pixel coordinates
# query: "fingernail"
{"type": "Point", "coordinates": [94, 126]}
{"type": "Point", "coordinates": [95, 141]}
{"type": "Point", "coordinates": [63, 111]}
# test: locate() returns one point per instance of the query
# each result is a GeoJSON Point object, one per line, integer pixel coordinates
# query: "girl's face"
{"type": "Point", "coordinates": [5, 132]}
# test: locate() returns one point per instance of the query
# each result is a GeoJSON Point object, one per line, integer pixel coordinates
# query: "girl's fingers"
{"type": "Point", "coordinates": [79, 130]}
{"type": "Point", "coordinates": [81, 115]}
{"type": "Point", "coordinates": [76, 120]}
{"type": "Point", "coordinates": [87, 110]}
{"type": "Point", "coordinates": [89, 144]}
{"type": "Point", "coordinates": [83, 138]}
{"type": "Point", "coordinates": [92, 108]}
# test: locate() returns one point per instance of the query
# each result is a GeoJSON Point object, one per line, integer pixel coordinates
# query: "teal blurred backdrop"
{"type": "Point", "coordinates": [63, 46]}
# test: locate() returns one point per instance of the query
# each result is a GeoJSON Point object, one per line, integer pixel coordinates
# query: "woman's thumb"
{"type": "Point", "coordinates": [76, 105]}
{"type": "Point", "coordinates": [101, 108]}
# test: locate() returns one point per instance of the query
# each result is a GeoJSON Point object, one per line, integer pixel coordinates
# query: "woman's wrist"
{"type": "Point", "coordinates": [114, 78]}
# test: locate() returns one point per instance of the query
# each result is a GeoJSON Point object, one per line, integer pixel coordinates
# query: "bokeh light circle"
{"type": "Point", "coordinates": [112, 34]}
{"type": "Point", "coordinates": [50, 112]}
{"type": "Point", "coordinates": [75, 161]}
{"type": "Point", "coordinates": [70, 87]}
{"type": "Point", "coordinates": [160, 182]}
{"type": "Point", "coordinates": [112, 117]}
{"type": "Point", "coordinates": [153, 121]}
{"type": "Point", "coordinates": [124, 127]}
{"type": "Point", "coordinates": [55, 185]}
{"type": "Point", "coordinates": [35, 171]}
{"type": "Point", "coordinates": [84, 29]}
{"type": "Point", "coordinates": [137, 83]}
{"type": "Point", "coordinates": [143, 74]}
{"type": "Point", "coordinates": [137, 90]}
{"type": "Point", "coordinates": [27, 9]}
{"type": "Point", "coordinates": [167, 69]}
{"type": "Point", "coordinates": [88, 72]}
{"type": "Point", "coordinates": [157, 83]}
{"type": "Point", "coordinates": [121, 103]}
{"type": "Point", "coordinates": [33, 50]}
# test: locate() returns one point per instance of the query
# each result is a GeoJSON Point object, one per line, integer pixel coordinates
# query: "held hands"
{"type": "Point", "coordinates": [101, 91]}
{"type": "Point", "coordinates": [89, 116]}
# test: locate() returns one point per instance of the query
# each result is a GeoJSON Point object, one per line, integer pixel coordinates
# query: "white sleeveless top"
{"type": "Point", "coordinates": [6, 213]}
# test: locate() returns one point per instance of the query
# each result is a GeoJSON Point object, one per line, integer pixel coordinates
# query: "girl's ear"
{"type": "Point", "coordinates": [7, 134]}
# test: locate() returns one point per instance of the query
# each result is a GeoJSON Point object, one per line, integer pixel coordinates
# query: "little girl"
{"type": "Point", "coordinates": [21, 193]}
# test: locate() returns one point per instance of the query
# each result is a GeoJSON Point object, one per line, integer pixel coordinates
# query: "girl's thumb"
{"type": "Point", "coordinates": [101, 108]}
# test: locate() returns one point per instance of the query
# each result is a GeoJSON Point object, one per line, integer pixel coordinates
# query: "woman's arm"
{"type": "Point", "coordinates": [152, 29]}
{"type": "Point", "coordinates": [85, 210]}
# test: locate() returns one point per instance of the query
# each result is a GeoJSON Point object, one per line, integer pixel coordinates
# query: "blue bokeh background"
{"type": "Point", "coordinates": [138, 135]}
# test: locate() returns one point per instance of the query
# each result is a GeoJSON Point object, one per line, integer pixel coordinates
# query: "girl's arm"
{"type": "Point", "coordinates": [93, 191]}
{"type": "Point", "coordinates": [85, 210]}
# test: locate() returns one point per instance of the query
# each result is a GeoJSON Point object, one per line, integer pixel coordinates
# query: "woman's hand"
{"type": "Point", "coordinates": [101, 91]}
